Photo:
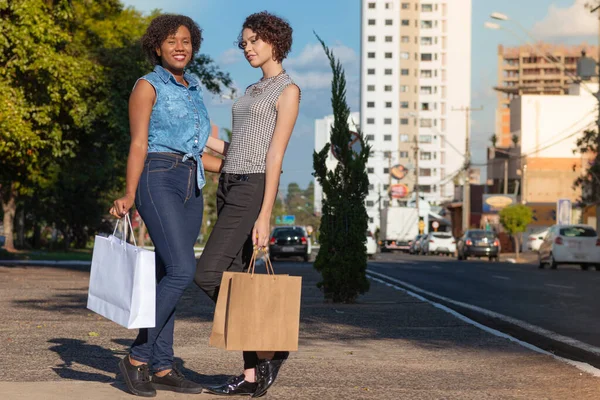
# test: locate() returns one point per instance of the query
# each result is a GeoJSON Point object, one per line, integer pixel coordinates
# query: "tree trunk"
{"type": "Point", "coordinates": [37, 235]}
{"type": "Point", "coordinates": [9, 207]}
{"type": "Point", "coordinates": [21, 228]}
{"type": "Point", "coordinates": [517, 246]}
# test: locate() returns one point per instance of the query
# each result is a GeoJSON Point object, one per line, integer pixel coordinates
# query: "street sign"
{"type": "Point", "coordinates": [354, 144]}
{"type": "Point", "coordinates": [277, 220]}
{"type": "Point", "coordinates": [398, 191]}
{"type": "Point", "coordinates": [288, 219]}
{"type": "Point", "coordinates": [563, 211]}
{"type": "Point", "coordinates": [398, 172]}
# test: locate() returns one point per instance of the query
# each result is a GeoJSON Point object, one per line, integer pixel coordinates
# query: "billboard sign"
{"type": "Point", "coordinates": [493, 203]}
{"type": "Point", "coordinates": [398, 191]}
{"type": "Point", "coordinates": [398, 172]}
{"type": "Point", "coordinates": [563, 211]}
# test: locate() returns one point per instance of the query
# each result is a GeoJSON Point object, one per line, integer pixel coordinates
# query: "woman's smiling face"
{"type": "Point", "coordinates": [176, 50]}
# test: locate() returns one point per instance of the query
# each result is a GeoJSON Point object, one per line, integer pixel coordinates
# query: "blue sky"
{"type": "Point", "coordinates": [338, 23]}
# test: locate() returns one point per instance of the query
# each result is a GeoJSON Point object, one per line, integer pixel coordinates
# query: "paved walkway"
{"type": "Point", "coordinates": [388, 346]}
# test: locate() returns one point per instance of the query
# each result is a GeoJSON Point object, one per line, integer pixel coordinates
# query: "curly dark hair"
{"type": "Point", "coordinates": [162, 27]}
{"type": "Point", "coordinates": [271, 29]}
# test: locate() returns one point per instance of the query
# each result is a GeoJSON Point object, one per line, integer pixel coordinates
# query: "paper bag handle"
{"type": "Point", "coordinates": [125, 230]}
{"type": "Point", "coordinates": [251, 268]}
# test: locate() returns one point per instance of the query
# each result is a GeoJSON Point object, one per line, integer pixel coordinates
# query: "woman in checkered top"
{"type": "Point", "coordinates": [263, 120]}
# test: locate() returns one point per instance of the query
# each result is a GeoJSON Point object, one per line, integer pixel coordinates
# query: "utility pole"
{"type": "Point", "coordinates": [379, 201]}
{"type": "Point", "coordinates": [389, 157]}
{"type": "Point", "coordinates": [595, 189]}
{"type": "Point", "coordinates": [466, 214]}
{"type": "Point", "coordinates": [506, 176]}
{"type": "Point", "coordinates": [416, 155]}
{"type": "Point", "coordinates": [524, 185]}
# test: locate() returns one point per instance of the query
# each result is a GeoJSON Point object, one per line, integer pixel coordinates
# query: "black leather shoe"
{"type": "Point", "coordinates": [175, 382]}
{"type": "Point", "coordinates": [267, 370]}
{"type": "Point", "coordinates": [137, 378]}
{"type": "Point", "coordinates": [236, 386]}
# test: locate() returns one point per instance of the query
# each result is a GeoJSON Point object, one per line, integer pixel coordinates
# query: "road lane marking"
{"type": "Point", "coordinates": [414, 291]}
{"type": "Point", "coordinates": [506, 278]}
{"type": "Point", "coordinates": [559, 286]}
{"type": "Point", "coordinates": [436, 267]}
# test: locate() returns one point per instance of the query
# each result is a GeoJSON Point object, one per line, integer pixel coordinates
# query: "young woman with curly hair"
{"type": "Point", "coordinates": [263, 120]}
{"type": "Point", "coordinates": [165, 174]}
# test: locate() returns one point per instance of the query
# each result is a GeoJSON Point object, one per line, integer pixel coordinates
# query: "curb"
{"type": "Point", "coordinates": [553, 346]}
{"type": "Point", "coordinates": [44, 263]}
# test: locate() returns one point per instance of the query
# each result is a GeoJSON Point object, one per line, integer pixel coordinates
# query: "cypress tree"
{"type": "Point", "coordinates": [342, 257]}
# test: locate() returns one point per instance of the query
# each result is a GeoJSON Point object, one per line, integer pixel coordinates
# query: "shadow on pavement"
{"type": "Point", "coordinates": [381, 314]}
{"type": "Point", "coordinates": [74, 351]}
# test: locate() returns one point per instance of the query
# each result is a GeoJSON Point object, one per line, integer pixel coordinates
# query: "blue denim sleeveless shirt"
{"type": "Point", "coordinates": [179, 122]}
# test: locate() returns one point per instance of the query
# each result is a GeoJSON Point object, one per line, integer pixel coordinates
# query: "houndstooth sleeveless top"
{"type": "Point", "coordinates": [254, 117]}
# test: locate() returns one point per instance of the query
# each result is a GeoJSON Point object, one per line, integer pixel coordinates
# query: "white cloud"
{"type": "Point", "coordinates": [312, 72]}
{"type": "Point", "coordinates": [230, 56]}
{"type": "Point", "coordinates": [311, 79]}
{"type": "Point", "coordinates": [575, 20]}
{"type": "Point", "coordinates": [313, 57]}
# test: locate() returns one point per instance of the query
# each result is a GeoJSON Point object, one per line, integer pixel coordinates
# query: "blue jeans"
{"type": "Point", "coordinates": [171, 205]}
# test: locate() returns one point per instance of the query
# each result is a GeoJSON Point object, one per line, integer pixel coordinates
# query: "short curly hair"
{"type": "Point", "coordinates": [271, 29]}
{"type": "Point", "coordinates": [162, 27]}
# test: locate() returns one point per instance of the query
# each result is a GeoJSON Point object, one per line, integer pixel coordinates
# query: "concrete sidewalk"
{"type": "Point", "coordinates": [388, 346]}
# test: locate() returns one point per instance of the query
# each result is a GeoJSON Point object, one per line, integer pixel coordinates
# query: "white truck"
{"type": "Point", "coordinates": [399, 226]}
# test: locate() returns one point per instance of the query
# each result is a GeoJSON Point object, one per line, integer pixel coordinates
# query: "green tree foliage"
{"type": "Point", "coordinates": [589, 182]}
{"type": "Point", "coordinates": [515, 219]}
{"type": "Point", "coordinates": [46, 88]}
{"type": "Point", "coordinates": [342, 258]}
{"type": "Point", "coordinates": [494, 140]}
{"type": "Point", "coordinates": [67, 68]}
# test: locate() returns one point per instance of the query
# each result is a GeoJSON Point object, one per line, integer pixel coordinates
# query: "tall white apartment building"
{"type": "Point", "coordinates": [415, 72]}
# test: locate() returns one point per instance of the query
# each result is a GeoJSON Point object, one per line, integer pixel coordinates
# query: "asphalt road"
{"type": "Point", "coordinates": [564, 301]}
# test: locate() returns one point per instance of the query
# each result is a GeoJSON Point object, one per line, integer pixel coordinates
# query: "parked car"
{"type": "Point", "coordinates": [535, 239]}
{"type": "Point", "coordinates": [419, 245]}
{"type": "Point", "coordinates": [570, 244]}
{"type": "Point", "coordinates": [371, 244]}
{"type": "Point", "coordinates": [439, 243]}
{"type": "Point", "coordinates": [413, 245]}
{"type": "Point", "coordinates": [478, 243]}
{"type": "Point", "coordinates": [289, 241]}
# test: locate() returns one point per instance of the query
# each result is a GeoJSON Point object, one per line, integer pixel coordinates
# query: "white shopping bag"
{"type": "Point", "coordinates": [123, 281]}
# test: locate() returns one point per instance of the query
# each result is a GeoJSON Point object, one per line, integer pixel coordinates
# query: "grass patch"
{"type": "Point", "coordinates": [73, 255]}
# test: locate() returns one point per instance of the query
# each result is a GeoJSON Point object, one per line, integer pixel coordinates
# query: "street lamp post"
{"type": "Point", "coordinates": [595, 189]}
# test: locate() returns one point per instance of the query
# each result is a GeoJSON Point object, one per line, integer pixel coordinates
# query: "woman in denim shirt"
{"type": "Point", "coordinates": [165, 175]}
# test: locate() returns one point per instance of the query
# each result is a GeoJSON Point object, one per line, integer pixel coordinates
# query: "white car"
{"type": "Point", "coordinates": [439, 243]}
{"type": "Point", "coordinates": [371, 245]}
{"type": "Point", "coordinates": [570, 244]}
{"type": "Point", "coordinates": [535, 239]}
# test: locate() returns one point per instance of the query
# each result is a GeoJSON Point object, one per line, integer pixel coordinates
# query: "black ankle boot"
{"type": "Point", "coordinates": [267, 370]}
{"type": "Point", "coordinates": [236, 386]}
{"type": "Point", "coordinates": [137, 378]}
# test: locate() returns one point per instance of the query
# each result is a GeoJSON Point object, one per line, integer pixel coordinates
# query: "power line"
{"type": "Point", "coordinates": [536, 150]}
{"type": "Point", "coordinates": [552, 144]}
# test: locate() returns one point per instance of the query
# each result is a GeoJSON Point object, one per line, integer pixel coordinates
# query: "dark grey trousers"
{"type": "Point", "coordinates": [229, 247]}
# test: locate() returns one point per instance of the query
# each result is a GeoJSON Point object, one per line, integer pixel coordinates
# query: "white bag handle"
{"type": "Point", "coordinates": [125, 230]}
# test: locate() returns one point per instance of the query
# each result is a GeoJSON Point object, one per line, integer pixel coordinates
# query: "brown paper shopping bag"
{"type": "Point", "coordinates": [257, 312]}
{"type": "Point", "coordinates": [217, 336]}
